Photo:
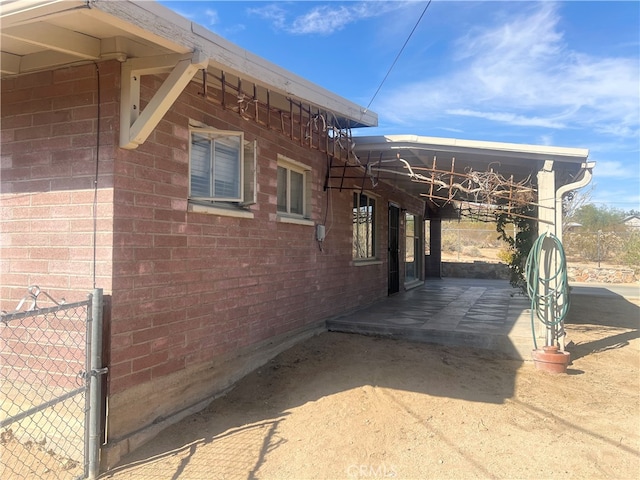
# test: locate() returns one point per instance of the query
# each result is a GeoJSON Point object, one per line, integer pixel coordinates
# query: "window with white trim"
{"type": "Point", "coordinates": [294, 189]}
{"type": "Point", "coordinates": [222, 167]}
{"type": "Point", "coordinates": [364, 226]}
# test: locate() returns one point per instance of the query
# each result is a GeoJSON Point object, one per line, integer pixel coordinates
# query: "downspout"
{"type": "Point", "coordinates": [587, 175]}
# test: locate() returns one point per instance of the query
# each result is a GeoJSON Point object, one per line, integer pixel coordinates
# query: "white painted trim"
{"type": "Point", "coordinates": [158, 24]}
{"type": "Point", "coordinates": [136, 126]}
{"type": "Point", "coordinates": [221, 211]}
{"type": "Point", "coordinates": [9, 63]}
{"type": "Point", "coordinates": [56, 38]}
{"type": "Point", "coordinates": [295, 220]}
{"type": "Point", "coordinates": [393, 142]}
{"type": "Point", "coordinates": [292, 164]}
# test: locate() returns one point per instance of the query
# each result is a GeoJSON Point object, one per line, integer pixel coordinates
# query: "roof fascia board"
{"type": "Point", "coordinates": [166, 28]}
{"type": "Point", "coordinates": [394, 142]}
{"type": "Point", "coordinates": [232, 58]}
{"type": "Point", "coordinates": [26, 11]}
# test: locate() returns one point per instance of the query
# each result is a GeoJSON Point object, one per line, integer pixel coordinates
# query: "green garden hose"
{"type": "Point", "coordinates": [549, 294]}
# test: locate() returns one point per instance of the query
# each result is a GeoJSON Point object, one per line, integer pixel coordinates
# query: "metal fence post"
{"type": "Point", "coordinates": [95, 385]}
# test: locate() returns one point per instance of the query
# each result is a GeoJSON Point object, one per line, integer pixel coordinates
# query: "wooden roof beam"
{"type": "Point", "coordinates": [136, 126]}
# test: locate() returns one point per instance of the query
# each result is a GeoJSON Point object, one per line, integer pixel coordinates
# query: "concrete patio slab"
{"type": "Point", "coordinates": [486, 314]}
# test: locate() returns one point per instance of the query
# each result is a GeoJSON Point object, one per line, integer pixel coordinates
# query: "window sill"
{"type": "Point", "coordinates": [295, 220]}
{"type": "Point", "coordinates": [366, 262]}
{"type": "Point", "coordinates": [221, 211]}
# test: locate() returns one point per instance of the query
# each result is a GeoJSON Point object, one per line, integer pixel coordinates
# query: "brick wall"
{"type": "Point", "coordinates": [186, 287]}
{"type": "Point", "coordinates": [49, 151]}
{"type": "Point", "coordinates": [190, 286]}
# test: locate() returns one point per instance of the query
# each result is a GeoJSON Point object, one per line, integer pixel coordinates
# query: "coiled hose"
{"type": "Point", "coordinates": [549, 295]}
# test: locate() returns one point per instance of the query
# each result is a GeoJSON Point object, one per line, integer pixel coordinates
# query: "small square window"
{"type": "Point", "coordinates": [222, 167]}
{"type": "Point", "coordinates": [294, 191]}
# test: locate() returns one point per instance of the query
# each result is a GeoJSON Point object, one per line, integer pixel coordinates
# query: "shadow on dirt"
{"type": "Point", "coordinates": [244, 424]}
{"type": "Point", "coordinates": [320, 367]}
{"type": "Point", "coordinates": [618, 320]}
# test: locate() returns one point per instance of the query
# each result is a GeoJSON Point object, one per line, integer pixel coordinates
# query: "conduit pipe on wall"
{"type": "Point", "coordinates": [587, 175]}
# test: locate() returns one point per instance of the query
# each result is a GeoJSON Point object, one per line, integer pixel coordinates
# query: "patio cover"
{"type": "Point", "coordinates": [431, 167]}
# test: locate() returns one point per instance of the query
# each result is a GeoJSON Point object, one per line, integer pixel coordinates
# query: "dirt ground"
{"type": "Point", "coordinates": [342, 406]}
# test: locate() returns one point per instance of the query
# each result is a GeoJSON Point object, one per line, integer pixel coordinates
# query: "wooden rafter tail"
{"type": "Point", "coordinates": [301, 122]}
{"type": "Point", "coordinates": [204, 83]}
{"type": "Point", "coordinates": [255, 103]}
{"type": "Point", "coordinates": [223, 84]}
{"type": "Point", "coordinates": [451, 175]}
{"type": "Point", "coordinates": [269, 109]}
{"type": "Point", "coordinates": [432, 176]}
{"type": "Point", "coordinates": [326, 139]}
{"type": "Point", "coordinates": [290, 119]}
{"type": "Point", "coordinates": [310, 123]}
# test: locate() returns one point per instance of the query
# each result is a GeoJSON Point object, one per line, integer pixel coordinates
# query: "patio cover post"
{"type": "Point", "coordinates": [547, 224]}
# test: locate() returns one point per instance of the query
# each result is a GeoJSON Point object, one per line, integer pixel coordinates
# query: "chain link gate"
{"type": "Point", "coordinates": [49, 368]}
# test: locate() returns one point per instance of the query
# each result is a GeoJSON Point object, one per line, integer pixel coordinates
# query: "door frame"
{"type": "Point", "coordinates": [393, 249]}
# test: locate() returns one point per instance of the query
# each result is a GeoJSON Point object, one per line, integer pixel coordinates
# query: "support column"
{"type": "Point", "coordinates": [434, 260]}
{"type": "Point", "coordinates": [547, 200]}
{"type": "Point", "coordinates": [548, 263]}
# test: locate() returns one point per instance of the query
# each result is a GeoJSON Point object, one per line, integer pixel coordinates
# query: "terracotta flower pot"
{"type": "Point", "coordinates": [549, 359]}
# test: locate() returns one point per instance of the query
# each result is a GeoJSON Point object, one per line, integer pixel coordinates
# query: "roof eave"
{"type": "Point", "coordinates": [453, 145]}
{"type": "Point", "coordinates": [157, 23]}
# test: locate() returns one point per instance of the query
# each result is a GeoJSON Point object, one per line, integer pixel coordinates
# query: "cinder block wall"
{"type": "Point", "coordinates": [49, 151]}
{"type": "Point", "coordinates": [197, 299]}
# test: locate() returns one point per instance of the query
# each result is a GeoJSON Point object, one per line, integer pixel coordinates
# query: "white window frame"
{"type": "Point", "coordinates": [247, 168]}
{"type": "Point", "coordinates": [373, 237]}
{"type": "Point", "coordinates": [292, 166]}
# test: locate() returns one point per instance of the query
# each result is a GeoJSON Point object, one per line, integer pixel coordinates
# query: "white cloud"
{"type": "Point", "coordinates": [522, 72]}
{"type": "Point", "coordinates": [510, 118]}
{"type": "Point", "coordinates": [212, 16]}
{"type": "Point", "coordinates": [276, 14]}
{"type": "Point", "coordinates": [611, 169]}
{"type": "Point", "coordinates": [324, 19]}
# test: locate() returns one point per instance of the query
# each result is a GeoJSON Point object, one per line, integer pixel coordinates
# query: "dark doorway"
{"type": "Point", "coordinates": [394, 249]}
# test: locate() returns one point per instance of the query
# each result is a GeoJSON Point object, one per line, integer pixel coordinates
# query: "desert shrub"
{"type": "Point", "coordinates": [631, 255]}
{"type": "Point", "coordinates": [472, 251]}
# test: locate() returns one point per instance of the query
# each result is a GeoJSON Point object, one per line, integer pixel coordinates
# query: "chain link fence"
{"type": "Point", "coordinates": [44, 414]}
{"type": "Point", "coordinates": [604, 247]}
{"type": "Point", "coordinates": [619, 248]}
{"type": "Point", "coordinates": [469, 244]}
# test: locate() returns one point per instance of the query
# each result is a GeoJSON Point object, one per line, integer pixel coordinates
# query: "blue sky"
{"type": "Point", "coordinates": [550, 73]}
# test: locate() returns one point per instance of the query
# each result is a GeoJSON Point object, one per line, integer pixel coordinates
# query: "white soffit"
{"type": "Point", "coordinates": [100, 29]}
{"type": "Point", "coordinates": [452, 145]}
{"type": "Point", "coordinates": [159, 24]}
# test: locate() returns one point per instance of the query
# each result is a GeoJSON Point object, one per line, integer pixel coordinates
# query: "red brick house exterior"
{"type": "Point", "coordinates": [196, 297]}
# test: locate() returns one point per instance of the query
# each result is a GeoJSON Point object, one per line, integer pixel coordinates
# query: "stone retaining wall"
{"type": "Point", "coordinates": [475, 269]}
{"type": "Point", "coordinates": [479, 269]}
{"type": "Point", "coordinates": [601, 275]}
